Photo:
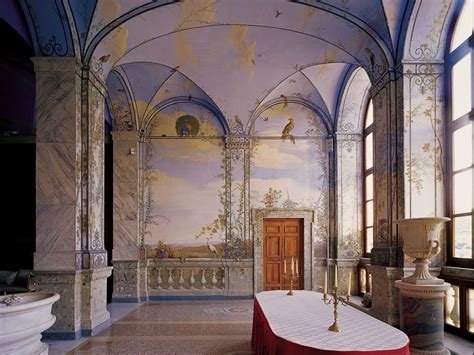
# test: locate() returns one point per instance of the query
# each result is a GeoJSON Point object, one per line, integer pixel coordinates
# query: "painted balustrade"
{"type": "Point", "coordinates": [172, 277]}
{"type": "Point", "coordinates": [199, 277]}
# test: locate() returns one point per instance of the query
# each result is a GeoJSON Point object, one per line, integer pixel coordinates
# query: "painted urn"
{"type": "Point", "coordinates": [421, 242]}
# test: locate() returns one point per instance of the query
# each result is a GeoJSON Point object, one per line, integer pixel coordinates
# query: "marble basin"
{"type": "Point", "coordinates": [21, 323]}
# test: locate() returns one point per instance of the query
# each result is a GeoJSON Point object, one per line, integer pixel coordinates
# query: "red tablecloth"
{"type": "Point", "coordinates": [264, 341]}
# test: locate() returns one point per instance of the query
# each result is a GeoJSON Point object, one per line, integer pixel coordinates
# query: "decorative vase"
{"type": "Point", "coordinates": [421, 242]}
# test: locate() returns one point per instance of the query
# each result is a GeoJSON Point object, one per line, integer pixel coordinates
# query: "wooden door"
{"type": "Point", "coordinates": [282, 240]}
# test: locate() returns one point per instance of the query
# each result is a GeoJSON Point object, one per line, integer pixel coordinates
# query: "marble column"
{"type": "Point", "coordinates": [386, 255]}
{"type": "Point", "coordinates": [422, 317]}
{"type": "Point", "coordinates": [349, 204]}
{"type": "Point", "coordinates": [70, 258]}
{"type": "Point", "coordinates": [129, 276]}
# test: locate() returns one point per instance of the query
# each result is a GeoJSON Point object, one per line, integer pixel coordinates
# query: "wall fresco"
{"type": "Point", "coordinates": [184, 178]}
{"type": "Point", "coordinates": [290, 169]}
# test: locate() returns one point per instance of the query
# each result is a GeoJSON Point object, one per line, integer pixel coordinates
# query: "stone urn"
{"type": "Point", "coordinates": [421, 242]}
{"type": "Point", "coordinates": [23, 316]}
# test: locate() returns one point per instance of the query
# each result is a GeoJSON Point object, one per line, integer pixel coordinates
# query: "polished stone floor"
{"type": "Point", "coordinates": [179, 327]}
{"type": "Point", "coordinates": [197, 327]}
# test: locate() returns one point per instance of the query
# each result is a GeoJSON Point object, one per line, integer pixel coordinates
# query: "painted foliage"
{"type": "Point", "coordinates": [289, 164]}
{"type": "Point", "coordinates": [184, 181]}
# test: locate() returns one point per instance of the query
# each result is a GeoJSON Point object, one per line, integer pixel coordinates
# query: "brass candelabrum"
{"type": "Point", "coordinates": [293, 278]}
{"type": "Point", "coordinates": [335, 300]}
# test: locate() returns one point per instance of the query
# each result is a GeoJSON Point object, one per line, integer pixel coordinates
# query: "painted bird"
{"type": "Point", "coordinates": [278, 13]}
{"type": "Point", "coordinates": [287, 130]}
{"type": "Point", "coordinates": [104, 58]}
{"type": "Point", "coordinates": [211, 248]}
{"type": "Point", "coordinates": [238, 123]}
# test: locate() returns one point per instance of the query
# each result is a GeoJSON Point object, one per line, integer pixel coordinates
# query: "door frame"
{"type": "Point", "coordinates": [258, 214]}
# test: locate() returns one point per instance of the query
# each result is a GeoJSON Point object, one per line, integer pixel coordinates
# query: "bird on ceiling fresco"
{"type": "Point", "coordinates": [287, 130]}
{"type": "Point", "coordinates": [278, 13]}
{"type": "Point", "coordinates": [176, 68]}
{"type": "Point", "coordinates": [104, 58]}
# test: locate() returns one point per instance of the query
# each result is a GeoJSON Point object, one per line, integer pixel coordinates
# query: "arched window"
{"type": "Point", "coordinates": [459, 138]}
{"type": "Point", "coordinates": [368, 178]}
{"type": "Point", "coordinates": [459, 315]}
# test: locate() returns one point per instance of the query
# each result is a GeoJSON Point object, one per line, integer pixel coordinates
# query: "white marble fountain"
{"type": "Point", "coordinates": [23, 317]}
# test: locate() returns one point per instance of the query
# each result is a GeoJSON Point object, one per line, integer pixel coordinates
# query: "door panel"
{"type": "Point", "coordinates": [283, 240]}
{"type": "Point", "coordinates": [273, 246]}
{"type": "Point", "coordinates": [273, 273]}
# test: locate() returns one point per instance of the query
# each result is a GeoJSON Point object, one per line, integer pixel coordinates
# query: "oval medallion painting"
{"type": "Point", "coordinates": [187, 126]}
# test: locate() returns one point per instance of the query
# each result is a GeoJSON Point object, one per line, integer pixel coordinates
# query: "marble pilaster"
{"type": "Point", "coordinates": [69, 193]}
{"type": "Point", "coordinates": [58, 194]}
{"type": "Point", "coordinates": [130, 276]}
{"type": "Point", "coordinates": [387, 96]}
{"type": "Point", "coordinates": [349, 195]}
{"type": "Point", "coordinates": [126, 196]}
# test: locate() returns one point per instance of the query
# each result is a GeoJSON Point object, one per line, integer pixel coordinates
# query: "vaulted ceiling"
{"type": "Point", "coordinates": [234, 55]}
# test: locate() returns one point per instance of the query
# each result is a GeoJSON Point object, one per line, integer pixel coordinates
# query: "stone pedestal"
{"type": "Point", "coordinates": [422, 316]}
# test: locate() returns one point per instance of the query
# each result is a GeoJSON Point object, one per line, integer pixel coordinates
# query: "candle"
{"type": "Point", "coordinates": [349, 285]}
{"type": "Point", "coordinates": [292, 266]}
{"type": "Point", "coordinates": [284, 266]}
{"type": "Point", "coordinates": [335, 275]}
{"type": "Point", "coordinates": [325, 282]}
{"type": "Point", "coordinates": [296, 266]}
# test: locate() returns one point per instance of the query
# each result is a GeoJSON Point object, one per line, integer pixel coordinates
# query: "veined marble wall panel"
{"type": "Point", "coordinates": [126, 242]}
{"type": "Point", "coordinates": [125, 201]}
{"type": "Point", "coordinates": [56, 99]}
{"type": "Point", "coordinates": [126, 238]}
{"type": "Point", "coordinates": [349, 187]}
{"type": "Point", "coordinates": [57, 164]}
{"type": "Point", "coordinates": [55, 170]}
{"type": "Point", "coordinates": [125, 164]}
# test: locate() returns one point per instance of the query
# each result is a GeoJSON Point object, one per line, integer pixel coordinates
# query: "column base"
{"type": "Point", "coordinates": [130, 281]}
{"type": "Point", "coordinates": [384, 293]}
{"type": "Point", "coordinates": [83, 303]}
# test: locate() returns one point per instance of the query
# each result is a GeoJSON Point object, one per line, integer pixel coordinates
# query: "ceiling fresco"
{"type": "Point", "coordinates": [234, 56]}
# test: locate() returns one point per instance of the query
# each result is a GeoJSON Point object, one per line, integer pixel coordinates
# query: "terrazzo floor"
{"type": "Point", "coordinates": [183, 327]}
{"type": "Point", "coordinates": [198, 327]}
